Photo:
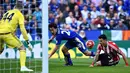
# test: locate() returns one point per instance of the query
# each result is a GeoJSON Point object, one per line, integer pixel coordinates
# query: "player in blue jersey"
{"type": "Point", "coordinates": [73, 40]}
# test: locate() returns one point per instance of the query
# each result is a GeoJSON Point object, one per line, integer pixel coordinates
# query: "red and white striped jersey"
{"type": "Point", "coordinates": [112, 49]}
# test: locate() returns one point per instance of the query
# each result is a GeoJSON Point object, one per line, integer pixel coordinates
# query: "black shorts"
{"type": "Point", "coordinates": [106, 60]}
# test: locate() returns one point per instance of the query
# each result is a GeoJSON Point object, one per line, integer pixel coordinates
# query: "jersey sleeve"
{"type": "Point", "coordinates": [58, 40]}
{"type": "Point", "coordinates": [98, 49]}
{"type": "Point", "coordinates": [22, 26]}
{"type": "Point", "coordinates": [115, 47]}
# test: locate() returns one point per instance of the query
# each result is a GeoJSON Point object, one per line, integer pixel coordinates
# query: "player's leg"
{"type": "Point", "coordinates": [82, 47]}
{"type": "Point", "coordinates": [65, 49]}
{"type": "Point", "coordinates": [103, 60]}
{"type": "Point", "coordinates": [13, 42]}
{"type": "Point", "coordinates": [67, 56]}
{"type": "Point", "coordinates": [89, 53]}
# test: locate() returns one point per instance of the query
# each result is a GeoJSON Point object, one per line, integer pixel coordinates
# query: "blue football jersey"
{"type": "Point", "coordinates": [73, 39]}
{"type": "Point", "coordinates": [65, 35]}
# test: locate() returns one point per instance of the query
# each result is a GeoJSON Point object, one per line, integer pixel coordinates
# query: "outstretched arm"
{"type": "Point", "coordinates": [124, 58]}
{"type": "Point", "coordinates": [95, 60]}
{"type": "Point", "coordinates": [54, 50]}
{"type": "Point", "coordinates": [52, 37]}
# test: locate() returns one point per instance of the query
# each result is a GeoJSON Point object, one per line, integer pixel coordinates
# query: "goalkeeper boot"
{"type": "Point", "coordinates": [25, 69]}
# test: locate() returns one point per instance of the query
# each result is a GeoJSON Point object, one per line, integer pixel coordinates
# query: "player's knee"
{"type": "Point", "coordinates": [64, 49]}
{"type": "Point", "coordinates": [22, 48]}
{"type": "Point", "coordinates": [98, 63]}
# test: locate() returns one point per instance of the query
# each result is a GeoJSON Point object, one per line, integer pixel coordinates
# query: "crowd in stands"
{"type": "Point", "coordinates": [76, 15]}
{"type": "Point", "coordinates": [82, 15]}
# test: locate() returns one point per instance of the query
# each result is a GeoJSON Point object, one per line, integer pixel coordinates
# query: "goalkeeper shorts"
{"type": "Point", "coordinates": [10, 40]}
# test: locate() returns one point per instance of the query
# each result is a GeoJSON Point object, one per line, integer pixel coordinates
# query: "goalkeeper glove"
{"type": "Point", "coordinates": [29, 45]}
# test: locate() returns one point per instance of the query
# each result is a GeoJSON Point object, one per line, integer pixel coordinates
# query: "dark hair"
{"type": "Point", "coordinates": [52, 25]}
{"type": "Point", "coordinates": [19, 4]}
{"type": "Point", "coordinates": [102, 36]}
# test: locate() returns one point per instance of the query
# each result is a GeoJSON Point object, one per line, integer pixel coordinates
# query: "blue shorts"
{"type": "Point", "coordinates": [77, 42]}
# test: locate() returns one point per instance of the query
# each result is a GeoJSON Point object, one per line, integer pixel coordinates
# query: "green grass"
{"type": "Point", "coordinates": [57, 66]}
{"type": "Point", "coordinates": [13, 65]}
{"type": "Point", "coordinates": [82, 66]}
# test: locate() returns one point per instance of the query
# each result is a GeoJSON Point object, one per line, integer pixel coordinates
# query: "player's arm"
{"type": "Point", "coordinates": [54, 50]}
{"type": "Point", "coordinates": [23, 30]}
{"type": "Point", "coordinates": [124, 57]}
{"type": "Point", "coordinates": [52, 37]}
{"type": "Point", "coordinates": [58, 41]}
{"type": "Point", "coordinates": [96, 56]}
{"type": "Point", "coordinates": [22, 26]}
{"type": "Point", "coordinates": [95, 59]}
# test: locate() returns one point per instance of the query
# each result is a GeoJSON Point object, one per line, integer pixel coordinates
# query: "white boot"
{"type": "Point", "coordinates": [24, 68]}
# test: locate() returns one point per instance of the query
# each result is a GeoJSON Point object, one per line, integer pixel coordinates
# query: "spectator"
{"type": "Point", "coordinates": [68, 20]}
{"type": "Point", "coordinates": [66, 12]}
{"type": "Point", "coordinates": [72, 4]}
{"type": "Point", "coordinates": [89, 18]}
{"type": "Point", "coordinates": [62, 5]}
{"type": "Point", "coordinates": [112, 24]}
{"type": "Point", "coordinates": [74, 25]}
{"type": "Point", "coordinates": [51, 17]}
{"type": "Point", "coordinates": [93, 26]}
{"type": "Point", "coordinates": [103, 25]}
{"type": "Point", "coordinates": [111, 11]}
{"type": "Point", "coordinates": [122, 14]}
{"type": "Point", "coordinates": [127, 22]}
{"type": "Point", "coordinates": [53, 5]}
{"type": "Point", "coordinates": [76, 12]}
{"type": "Point", "coordinates": [121, 26]}
{"type": "Point", "coordinates": [103, 12]}
{"type": "Point", "coordinates": [96, 2]}
{"type": "Point", "coordinates": [82, 34]}
{"type": "Point", "coordinates": [127, 5]}
{"type": "Point", "coordinates": [38, 15]}
{"type": "Point", "coordinates": [84, 25]}
{"type": "Point", "coordinates": [100, 6]}
{"type": "Point", "coordinates": [116, 18]}
{"type": "Point", "coordinates": [94, 13]}
{"type": "Point", "coordinates": [84, 12]}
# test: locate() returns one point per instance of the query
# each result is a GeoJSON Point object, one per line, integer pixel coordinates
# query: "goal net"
{"type": "Point", "coordinates": [9, 59]}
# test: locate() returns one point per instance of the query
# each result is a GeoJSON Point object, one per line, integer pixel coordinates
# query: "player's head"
{"type": "Point", "coordinates": [102, 39]}
{"type": "Point", "coordinates": [53, 28]}
{"type": "Point", "coordinates": [19, 4]}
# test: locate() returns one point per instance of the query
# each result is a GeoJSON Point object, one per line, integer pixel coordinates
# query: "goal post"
{"type": "Point", "coordinates": [44, 36]}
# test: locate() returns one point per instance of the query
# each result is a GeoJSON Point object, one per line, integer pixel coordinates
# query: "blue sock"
{"type": "Point", "coordinates": [92, 54]}
{"type": "Point", "coordinates": [68, 59]}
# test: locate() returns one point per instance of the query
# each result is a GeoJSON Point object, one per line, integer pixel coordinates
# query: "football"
{"type": "Point", "coordinates": [90, 44]}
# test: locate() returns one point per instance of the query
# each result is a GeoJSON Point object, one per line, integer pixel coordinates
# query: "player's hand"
{"type": "Point", "coordinates": [127, 65]}
{"type": "Point", "coordinates": [91, 65]}
{"type": "Point", "coordinates": [48, 56]}
{"type": "Point", "coordinates": [49, 41]}
{"type": "Point", "coordinates": [29, 45]}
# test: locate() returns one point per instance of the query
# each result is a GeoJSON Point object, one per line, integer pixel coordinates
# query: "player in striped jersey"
{"type": "Point", "coordinates": [111, 53]}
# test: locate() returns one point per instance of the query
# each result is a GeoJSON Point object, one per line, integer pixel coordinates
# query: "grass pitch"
{"type": "Point", "coordinates": [82, 66]}
{"type": "Point", "coordinates": [57, 66]}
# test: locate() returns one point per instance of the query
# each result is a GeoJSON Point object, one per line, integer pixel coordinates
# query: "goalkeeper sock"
{"type": "Point", "coordinates": [68, 59]}
{"type": "Point", "coordinates": [22, 57]}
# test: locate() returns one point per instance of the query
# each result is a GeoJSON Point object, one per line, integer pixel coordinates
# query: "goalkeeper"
{"type": "Point", "coordinates": [8, 25]}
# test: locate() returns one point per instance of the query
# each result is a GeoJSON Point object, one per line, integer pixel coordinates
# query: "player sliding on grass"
{"type": "Point", "coordinates": [73, 40]}
{"type": "Point", "coordinates": [8, 25]}
{"type": "Point", "coordinates": [111, 53]}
